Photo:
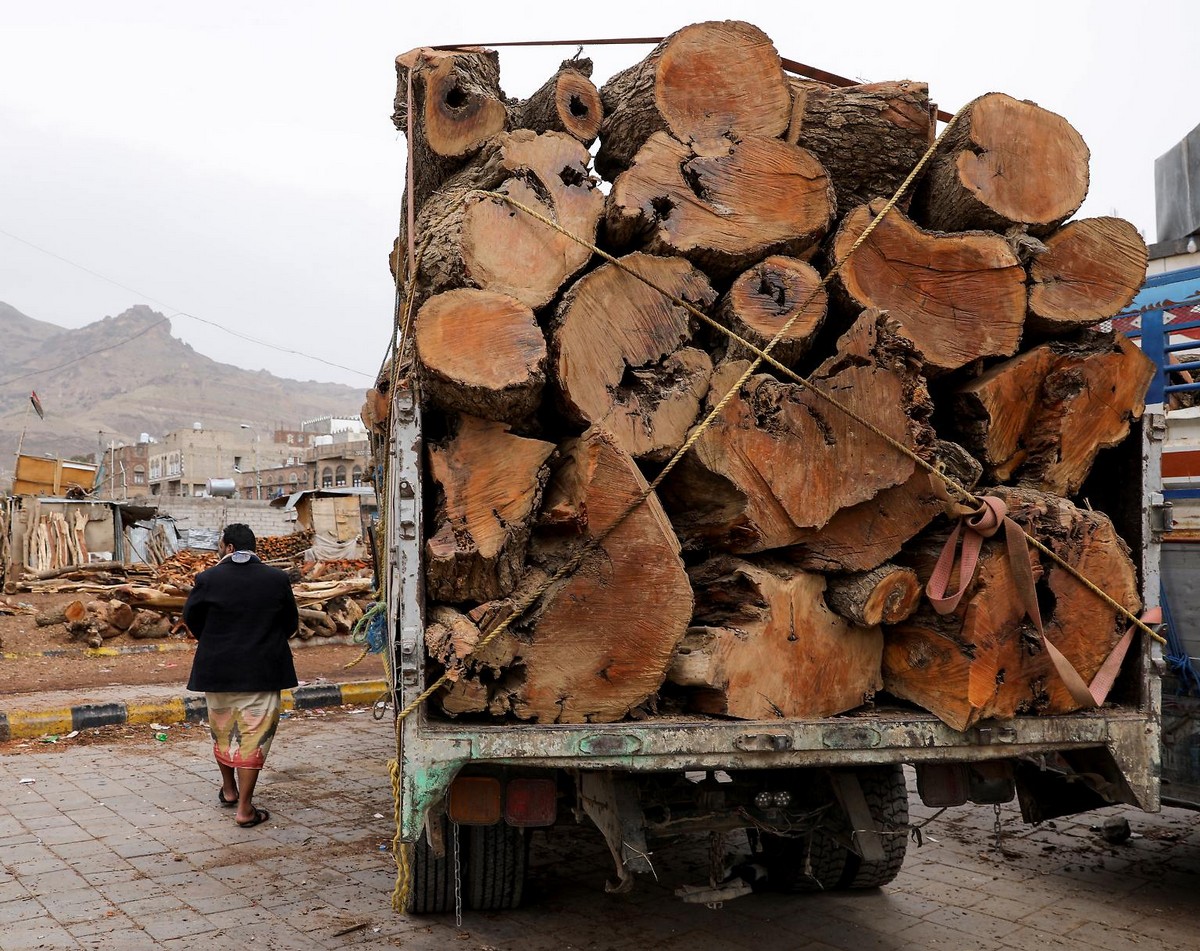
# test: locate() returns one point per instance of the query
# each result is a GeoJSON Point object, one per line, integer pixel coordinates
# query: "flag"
{"type": "Point", "coordinates": [37, 404]}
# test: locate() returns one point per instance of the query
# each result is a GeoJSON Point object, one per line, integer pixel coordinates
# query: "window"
{"type": "Point", "coordinates": [356, 477]}
{"type": "Point", "coordinates": [327, 478]}
{"type": "Point", "coordinates": [139, 475]}
{"type": "Point", "coordinates": [237, 463]}
{"type": "Point", "coordinates": [341, 475]}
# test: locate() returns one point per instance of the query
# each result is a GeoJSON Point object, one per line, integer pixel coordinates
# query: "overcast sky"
{"type": "Point", "coordinates": [237, 160]}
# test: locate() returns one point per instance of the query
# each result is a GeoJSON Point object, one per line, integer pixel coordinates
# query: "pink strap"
{"type": "Point", "coordinates": [985, 522]}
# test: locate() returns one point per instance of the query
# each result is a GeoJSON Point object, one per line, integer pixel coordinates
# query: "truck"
{"type": "Point", "coordinates": [820, 802]}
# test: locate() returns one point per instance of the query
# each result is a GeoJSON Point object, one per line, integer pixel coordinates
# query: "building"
{"type": "Point", "coordinates": [125, 469]}
{"type": "Point", "coordinates": [185, 460]}
{"type": "Point", "coordinates": [337, 459]}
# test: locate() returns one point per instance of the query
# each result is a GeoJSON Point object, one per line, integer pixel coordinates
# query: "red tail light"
{"type": "Point", "coordinates": [531, 802]}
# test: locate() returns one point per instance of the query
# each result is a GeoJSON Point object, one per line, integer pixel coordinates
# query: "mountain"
{"type": "Point", "coordinates": [126, 375]}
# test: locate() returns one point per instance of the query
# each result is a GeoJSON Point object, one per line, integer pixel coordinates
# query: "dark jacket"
{"type": "Point", "coordinates": [242, 616]}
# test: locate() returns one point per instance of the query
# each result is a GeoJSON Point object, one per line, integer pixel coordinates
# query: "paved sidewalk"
{"type": "Point", "coordinates": [118, 843]}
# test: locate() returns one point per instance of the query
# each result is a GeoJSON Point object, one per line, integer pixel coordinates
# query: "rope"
{"type": "Point", "coordinates": [764, 356]}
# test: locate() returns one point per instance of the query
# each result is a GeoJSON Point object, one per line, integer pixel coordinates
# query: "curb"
{"type": "Point", "coordinates": [30, 724]}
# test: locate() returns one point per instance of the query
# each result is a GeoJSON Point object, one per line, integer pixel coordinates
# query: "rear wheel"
{"type": "Point", "coordinates": [431, 891]}
{"type": "Point", "coordinates": [496, 863]}
{"type": "Point", "coordinates": [823, 860]}
{"type": "Point", "coordinates": [887, 798]}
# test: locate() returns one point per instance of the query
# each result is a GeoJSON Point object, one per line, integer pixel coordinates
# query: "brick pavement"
{"type": "Point", "coordinates": [118, 844]}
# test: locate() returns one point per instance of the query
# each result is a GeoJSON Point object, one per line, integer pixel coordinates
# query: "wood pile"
{"type": "Point", "coordinates": [143, 601]}
{"type": "Point", "coordinates": [55, 541]}
{"type": "Point", "coordinates": [777, 571]}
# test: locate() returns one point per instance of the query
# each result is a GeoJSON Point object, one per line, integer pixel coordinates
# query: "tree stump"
{"type": "Point", "coordinates": [499, 374]}
{"type": "Point", "coordinates": [765, 645]}
{"type": "Point", "coordinates": [1041, 418]}
{"type": "Point", "coordinates": [723, 205]}
{"type": "Point", "coordinates": [1091, 270]}
{"type": "Point", "coordinates": [958, 297]}
{"type": "Point", "coordinates": [489, 483]}
{"type": "Point", "coordinates": [703, 82]}
{"type": "Point", "coordinates": [1006, 163]}
{"type": "Point", "coordinates": [622, 356]}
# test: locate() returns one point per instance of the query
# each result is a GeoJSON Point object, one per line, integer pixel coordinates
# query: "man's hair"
{"type": "Point", "coordinates": [239, 536]}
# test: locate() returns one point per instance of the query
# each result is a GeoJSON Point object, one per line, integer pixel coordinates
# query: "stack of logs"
{"type": "Point", "coordinates": [778, 569]}
{"type": "Point", "coordinates": [332, 596]}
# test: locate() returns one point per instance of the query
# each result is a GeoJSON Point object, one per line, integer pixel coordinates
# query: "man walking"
{"type": "Point", "coordinates": [241, 613]}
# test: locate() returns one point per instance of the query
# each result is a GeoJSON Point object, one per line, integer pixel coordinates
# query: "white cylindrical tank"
{"type": "Point", "coordinates": [222, 488]}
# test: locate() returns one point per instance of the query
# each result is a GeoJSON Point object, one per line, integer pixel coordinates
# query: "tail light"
{"type": "Point", "coordinates": [475, 801]}
{"type": "Point", "coordinates": [531, 802]}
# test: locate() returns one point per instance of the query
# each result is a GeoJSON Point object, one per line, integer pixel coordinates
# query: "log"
{"type": "Point", "coordinates": [488, 483]}
{"type": "Point", "coordinates": [65, 614]}
{"type": "Point", "coordinates": [780, 459]}
{"type": "Point", "coordinates": [723, 205]}
{"type": "Point", "coordinates": [868, 137]}
{"type": "Point", "coordinates": [958, 297]}
{"type": "Point", "coordinates": [1041, 418]}
{"type": "Point", "coordinates": [599, 642]}
{"type": "Point", "coordinates": [984, 659]}
{"type": "Point", "coordinates": [457, 106]}
{"type": "Point", "coordinates": [119, 615]}
{"type": "Point", "coordinates": [1006, 163]}
{"type": "Point", "coordinates": [451, 638]}
{"type": "Point", "coordinates": [622, 356]}
{"type": "Point", "coordinates": [1091, 270]}
{"type": "Point", "coordinates": [884, 595]}
{"type": "Point", "coordinates": [148, 625]}
{"type": "Point", "coordinates": [704, 82]}
{"type": "Point", "coordinates": [864, 536]}
{"type": "Point", "coordinates": [567, 102]}
{"type": "Point", "coordinates": [481, 242]}
{"type": "Point", "coordinates": [499, 373]}
{"type": "Point", "coordinates": [764, 645]}
{"type": "Point", "coordinates": [763, 298]}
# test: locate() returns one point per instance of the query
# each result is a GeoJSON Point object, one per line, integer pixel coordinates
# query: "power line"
{"type": "Point", "coordinates": [177, 313]}
{"type": "Point", "coordinates": [84, 356]}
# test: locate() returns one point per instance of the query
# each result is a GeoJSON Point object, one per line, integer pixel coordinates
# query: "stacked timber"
{"type": "Point", "coordinates": [630, 512]}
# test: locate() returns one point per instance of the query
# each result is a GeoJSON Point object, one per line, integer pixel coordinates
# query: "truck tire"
{"type": "Point", "coordinates": [496, 863]}
{"type": "Point", "coordinates": [832, 864]}
{"type": "Point", "coordinates": [431, 891]}
{"type": "Point", "coordinates": [887, 797]}
{"type": "Point", "coordinates": [786, 859]}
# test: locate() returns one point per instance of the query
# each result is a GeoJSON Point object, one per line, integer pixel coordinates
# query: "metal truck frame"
{"type": "Point", "coordinates": [1058, 765]}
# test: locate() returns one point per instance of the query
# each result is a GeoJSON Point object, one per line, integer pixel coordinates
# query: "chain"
{"type": "Point", "coordinates": [997, 830]}
{"type": "Point", "coordinates": [458, 904]}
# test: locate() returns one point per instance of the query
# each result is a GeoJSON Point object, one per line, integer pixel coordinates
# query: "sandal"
{"type": "Point", "coordinates": [227, 803]}
{"type": "Point", "coordinates": [260, 815]}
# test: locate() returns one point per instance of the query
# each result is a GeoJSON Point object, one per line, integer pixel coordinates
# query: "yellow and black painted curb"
{"type": "Point", "coordinates": [30, 724]}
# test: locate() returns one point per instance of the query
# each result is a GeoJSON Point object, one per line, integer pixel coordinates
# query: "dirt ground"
{"type": "Point", "coordinates": [24, 669]}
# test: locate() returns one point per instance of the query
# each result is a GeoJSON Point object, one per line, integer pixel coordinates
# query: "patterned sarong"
{"type": "Point", "coordinates": [243, 725]}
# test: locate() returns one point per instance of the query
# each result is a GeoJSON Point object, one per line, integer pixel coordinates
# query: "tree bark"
{"type": "Point", "coordinates": [480, 353]}
{"type": "Point", "coordinates": [884, 595]}
{"type": "Point", "coordinates": [567, 102]}
{"type": "Point", "coordinates": [704, 82]}
{"type": "Point", "coordinates": [764, 298]}
{"type": "Point", "coordinates": [958, 297]}
{"type": "Point", "coordinates": [1041, 418]}
{"type": "Point", "coordinates": [984, 659]}
{"type": "Point", "coordinates": [622, 356]}
{"type": "Point", "coordinates": [779, 459]}
{"type": "Point", "coordinates": [1091, 270]}
{"type": "Point", "coordinates": [457, 106]}
{"type": "Point", "coordinates": [864, 536]}
{"type": "Point", "coordinates": [481, 242]}
{"type": "Point", "coordinates": [868, 137]}
{"type": "Point", "coordinates": [765, 645]}
{"type": "Point", "coordinates": [723, 205]}
{"type": "Point", "coordinates": [600, 641]}
{"type": "Point", "coordinates": [1006, 163]}
{"type": "Point", "coordinates": [489, 483]}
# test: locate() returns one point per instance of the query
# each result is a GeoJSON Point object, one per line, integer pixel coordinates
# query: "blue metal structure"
{"type": "Point", "coordinates": [1156, 315]}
